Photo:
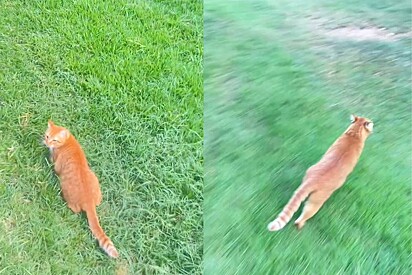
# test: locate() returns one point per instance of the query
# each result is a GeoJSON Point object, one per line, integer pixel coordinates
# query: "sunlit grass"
{"type": "Point", "coordinates": [126, 78]}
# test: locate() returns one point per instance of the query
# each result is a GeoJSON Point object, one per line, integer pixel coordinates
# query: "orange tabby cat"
{"type": "Point", "coordinates": [330, 173]}
{"type": "Point", "coordinates": [79, 184]}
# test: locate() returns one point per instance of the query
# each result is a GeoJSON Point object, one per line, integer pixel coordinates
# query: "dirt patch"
{"type": "Point", "coordinates": [365, 34]}
{"type": "Point", "coordinates": [340, 26]}
{"type": "Point", "coordinates": [121, 268]}
{"type": "Point", "coordinates": [24, 120]}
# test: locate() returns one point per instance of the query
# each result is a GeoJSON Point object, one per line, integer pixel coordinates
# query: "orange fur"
{"type": "Point", "coordinates": [79, 184]}
{"type": "Point", "coordinates": [330, 173]}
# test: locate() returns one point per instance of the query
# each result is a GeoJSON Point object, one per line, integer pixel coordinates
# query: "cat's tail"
{"type": "Point", "coordinates": [104, 241]}
{"type": "Point", "coordinates": [291, 207]}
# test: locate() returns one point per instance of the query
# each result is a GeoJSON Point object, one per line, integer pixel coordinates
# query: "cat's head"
{"type": "Point", "coordinates": [55, 136]}
{"type": "Point", "coordinates": [361, 125]}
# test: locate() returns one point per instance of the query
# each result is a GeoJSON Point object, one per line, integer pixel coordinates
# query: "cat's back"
{"type": "Point", "coordinates": [72, 159]}
{"type": "Point", "coordinates": [338, 161]}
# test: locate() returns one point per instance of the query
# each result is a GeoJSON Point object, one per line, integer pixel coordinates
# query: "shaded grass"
{"type": "Point", "coordinates": [125, 78]}
{"type": "Point", "coordinates": [277, 94]}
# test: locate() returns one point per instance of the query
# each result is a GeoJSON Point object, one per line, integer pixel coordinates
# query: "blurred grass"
{"type": "Point", "coordinates": [126, 78]}
{"type": "Point", "coordinates": [278, 92]}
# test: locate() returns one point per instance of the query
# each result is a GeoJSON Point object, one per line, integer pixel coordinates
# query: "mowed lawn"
{"type": "Point", "coordinates": [281, 79]}
{"type": "Point", "coordinates": [126, 78]}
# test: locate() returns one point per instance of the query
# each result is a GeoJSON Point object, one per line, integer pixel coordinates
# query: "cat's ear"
{"type": "Point", "coordinates": [369, 126]}
{"type": "Point", "coordinates": [353, 118]}
{"type": "Point", "coordinates": [64, 134]}
{"type": "Point", "coordinates": [50, 124]}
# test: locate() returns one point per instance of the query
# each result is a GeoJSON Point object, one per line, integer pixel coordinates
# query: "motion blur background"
{"type": "Point", "coordinates": [280, 81]}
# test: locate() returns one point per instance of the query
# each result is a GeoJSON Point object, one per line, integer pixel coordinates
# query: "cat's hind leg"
{"type": "Point", "coordinates": [74, 207]}
{"type": "Point", "coordinates": [312, 206]}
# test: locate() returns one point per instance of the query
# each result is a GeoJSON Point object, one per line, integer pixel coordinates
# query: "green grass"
{"type": "Point", "coordinates": [126, 78]}
{"type": "Point", "coordinates": [278, 92]}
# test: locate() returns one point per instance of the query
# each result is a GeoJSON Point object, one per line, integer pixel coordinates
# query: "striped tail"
{"type": "Point", "coordinates": [291, 207]}
{"type": "Point", "coordinates": [104, 241]}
